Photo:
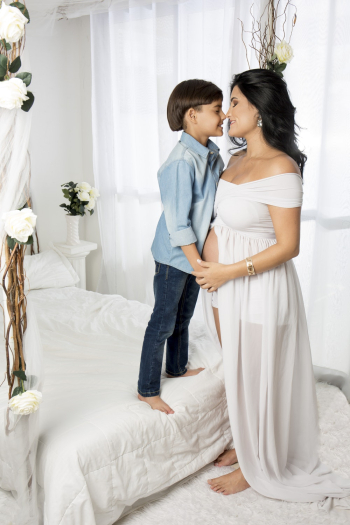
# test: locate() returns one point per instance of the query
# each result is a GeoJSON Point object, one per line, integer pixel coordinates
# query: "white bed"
{"type": "Point", "coordinates": [100, 449]}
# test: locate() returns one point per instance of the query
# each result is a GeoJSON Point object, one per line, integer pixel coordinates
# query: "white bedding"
{"type": "Point", "coordinates": [100, 449]}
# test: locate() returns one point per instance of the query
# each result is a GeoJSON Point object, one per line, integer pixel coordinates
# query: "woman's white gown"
{"type": "Point", "coordinates": [269, 378]}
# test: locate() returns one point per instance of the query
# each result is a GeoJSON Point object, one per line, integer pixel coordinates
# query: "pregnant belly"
{"type": "Point", "coordinates": [211, 250]}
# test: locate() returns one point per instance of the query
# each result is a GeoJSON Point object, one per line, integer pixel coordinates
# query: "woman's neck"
{"type": "Point", "coordinates": [257, 147]}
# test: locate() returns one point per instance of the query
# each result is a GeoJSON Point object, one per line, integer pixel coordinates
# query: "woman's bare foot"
{"type": "Point", "coordinates": [227, 458]}
{"type": "Point", "coordinates": [157, 403]}
{"type": "Point", "coordinates": [189, 373]}
{"type": "Point", "coordinates": [230, 483]}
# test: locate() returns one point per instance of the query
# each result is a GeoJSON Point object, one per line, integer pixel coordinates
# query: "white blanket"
{"type": "Point", "coordinates": [100, 449]}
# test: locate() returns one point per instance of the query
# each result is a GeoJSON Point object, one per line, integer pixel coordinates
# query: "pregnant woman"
{"type": "Point", "coordinates": [255, 310]}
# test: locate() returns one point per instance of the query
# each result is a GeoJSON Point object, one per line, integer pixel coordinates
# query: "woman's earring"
{"type": "Point", "coordinates": [259, 123]}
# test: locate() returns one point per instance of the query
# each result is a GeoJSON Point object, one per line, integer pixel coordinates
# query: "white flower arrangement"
{"type": "Point", "coordinates": [12, 23]}
{"type": "Point", "coordinates": [82, 198]}
{"type": "Point", "coordinates": [19, 226]}
{"type": "Point", "coordinates": [284, 52]}
{"type": "Point", "coordinates": [13, 87]}
{"type": "Point", "coordinates": [25, 403]}
{"type": "Point", "coordinates": [13, 93]}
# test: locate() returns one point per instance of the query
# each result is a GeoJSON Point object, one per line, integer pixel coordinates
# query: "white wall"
{"type": "Point", "coordinates": [61, 137]}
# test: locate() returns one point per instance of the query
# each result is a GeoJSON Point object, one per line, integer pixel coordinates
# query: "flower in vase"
{"type": "Point", "coordinates": [94, 193]}
{"type": "Point", "coordinates": [13, 93]}
{"type": "Point", "coordinates": [12, 23]}
{"type": "Point", "coordinates": [83, 186]}
{"type": "Point", "coordinates": [26, 403]}
{"type": "Point", "coordinates": [84, 196]}
{"type": "Point", "coordinates": [91, 205]}
{"type": "Point", "coordinates": [19, 224]}
{"type": "Point", "coordinates": [284, 52]}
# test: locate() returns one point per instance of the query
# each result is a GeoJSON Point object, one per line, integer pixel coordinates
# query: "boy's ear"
{"type": "Point", "coordinates": [191, 116]}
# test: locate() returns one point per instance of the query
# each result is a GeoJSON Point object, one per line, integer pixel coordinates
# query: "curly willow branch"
{"type": "Point", "coordinates": [13, 277]}
{"type": "Point", "coordinates": [263, 34]}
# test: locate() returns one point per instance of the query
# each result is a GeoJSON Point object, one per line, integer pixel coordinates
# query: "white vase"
{"type": "Point", "coordinates": [72, 230]}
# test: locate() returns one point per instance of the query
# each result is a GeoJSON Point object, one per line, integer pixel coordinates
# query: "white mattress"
{"type": "Point", "coordinates": [100, 449]}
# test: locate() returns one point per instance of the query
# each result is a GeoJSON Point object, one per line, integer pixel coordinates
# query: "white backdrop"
{"type": "Point", "coordinates": [138, 56]}
{"type": "Point", "coordinates": [319, 82]}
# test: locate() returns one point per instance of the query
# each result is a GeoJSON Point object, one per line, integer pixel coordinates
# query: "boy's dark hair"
{"type": "Point", "coordinates": [190, 94]}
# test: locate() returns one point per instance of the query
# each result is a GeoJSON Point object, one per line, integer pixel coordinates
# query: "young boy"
{"type": "Point", "coordinates": [187, 181]}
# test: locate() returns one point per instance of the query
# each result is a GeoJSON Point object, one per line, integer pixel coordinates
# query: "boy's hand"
{"type": "Point", "coordinates": [192, 255]}
{"type": "Point", "coordinates": [212, 276]}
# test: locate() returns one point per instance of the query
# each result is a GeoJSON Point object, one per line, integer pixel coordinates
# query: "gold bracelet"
{"type": "Point", "coordinates": [250, 266]}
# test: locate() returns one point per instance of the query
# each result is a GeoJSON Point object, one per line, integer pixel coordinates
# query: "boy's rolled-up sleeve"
{"type": "Point", "coordinates": [175, 183]}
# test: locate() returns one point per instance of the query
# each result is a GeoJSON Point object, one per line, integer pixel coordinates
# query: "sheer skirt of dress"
{"type": "Point", "coordinates": [269, 378]}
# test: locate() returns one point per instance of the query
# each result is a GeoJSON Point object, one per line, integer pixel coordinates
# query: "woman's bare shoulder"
{"type": "Point", "coordinates": [281, 163]}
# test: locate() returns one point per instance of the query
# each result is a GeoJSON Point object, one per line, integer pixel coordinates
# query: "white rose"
{"type": "Point", "coordinates": [284, 52]}
{"type": "Point", "coordinates": [13, 93]}
{"type": "Point", "coordinates": [91, 205]}
{"type": "Point", "coordinates": [83, 196]}
{"type": "Point", "coordinates": [19, 224]}
{"type": "Point", "coordinates": [12, 23]}
{"type": "Point", "coordinates": [94, 193]}
{"type": "Point", "coordinates": [25, 403]}
{"type": "Point", "coordinates": [83, 186]}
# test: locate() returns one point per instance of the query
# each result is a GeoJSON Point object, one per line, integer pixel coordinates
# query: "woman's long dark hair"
{"type": "Point", "coordinates": [268, 92]}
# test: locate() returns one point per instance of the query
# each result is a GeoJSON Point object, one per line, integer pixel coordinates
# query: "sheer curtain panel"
{"type": "Point", "coordinates": [318, 79]}
{"type": "Point", "coordinates": [139, 54]}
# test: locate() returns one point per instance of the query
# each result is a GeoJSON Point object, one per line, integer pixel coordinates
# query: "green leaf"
{"type": "Point", "coordinates": [5, 44]}
{"type": "Point", "coordinates": [81, 208]}
{"type": "Point", "coordinates": [21, 374]}
{"type": "Point", "coordinates": [91, 212]}
{"type": "Point", "coordinates": [3, 65]}
{"type": "Point", "coordinates": [22, 8]}
{"type": "Point", "coordinates": [29, 241]}
{"type": "Point", "coordinates": [62, 205]}
{"type": "Point", "coordinates": [27, 104]}
{"type": "Point", "coordinates": [25, 76]}
{"type": "Point", "coordinates": [2, 78]}
{"type": "Point", "coordinates": [15, 65]}
{"type": "Point", "coordinates": [280, 67]}
{"type": "Point", "coordinates": [10, 242]}
{"type": "Point", "coordinates": [16, 391]}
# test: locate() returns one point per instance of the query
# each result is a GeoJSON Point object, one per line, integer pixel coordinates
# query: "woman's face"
{"type": "Point", "coordinates": [242, 115]}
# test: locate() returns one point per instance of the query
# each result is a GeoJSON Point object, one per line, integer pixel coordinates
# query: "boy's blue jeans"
{"type": "Point", "coordinates": [175, 294]}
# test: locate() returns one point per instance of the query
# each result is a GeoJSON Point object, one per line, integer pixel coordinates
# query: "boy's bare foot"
{"type": "Point", "coordinates": [189, 373]}
{"type": "Point", "coordinates": [227, 458]}
{"type": "Point", "coordinates": [230, 483]}
{"type": "Point", "coordinates": [157, 403]}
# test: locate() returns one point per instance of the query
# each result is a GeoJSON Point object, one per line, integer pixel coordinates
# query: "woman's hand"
{"type": "Point", "coordinates": [212, 276]}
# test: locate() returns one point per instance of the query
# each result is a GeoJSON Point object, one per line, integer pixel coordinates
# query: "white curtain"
{"type": "Point", "coordinates": [139, 54]}
{"type": "Point", "coordinates": [319, 82]}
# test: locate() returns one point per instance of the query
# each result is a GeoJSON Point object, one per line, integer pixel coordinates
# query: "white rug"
{"type": "Point", "coordinates": [193, 503]}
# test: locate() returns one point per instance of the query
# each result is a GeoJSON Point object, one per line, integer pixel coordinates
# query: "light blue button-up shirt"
{"type": "Point", "coordinates": [187, 181]}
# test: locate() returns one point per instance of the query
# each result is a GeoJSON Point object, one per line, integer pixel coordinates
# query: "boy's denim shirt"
{"type": "Point", "coordinates": [187, 182]}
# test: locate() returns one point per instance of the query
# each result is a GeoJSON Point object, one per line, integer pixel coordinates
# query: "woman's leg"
{"type": "Point", "coordinates": [217, 322]}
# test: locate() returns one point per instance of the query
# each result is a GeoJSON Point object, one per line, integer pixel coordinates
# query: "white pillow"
{"type": "Point", "coordinates": [49, 269]}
